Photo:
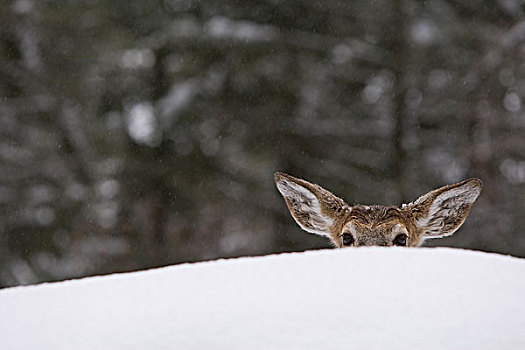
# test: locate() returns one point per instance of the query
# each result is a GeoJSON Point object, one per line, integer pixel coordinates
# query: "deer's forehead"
{"type": "Point", "coordinates": [379, 217]}
{"type": "Point", "coordinates": [376, 213]}
{"type": "Point", "coordinates": [393, 225]}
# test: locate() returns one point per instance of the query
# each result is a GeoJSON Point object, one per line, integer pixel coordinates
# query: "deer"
{"type": "Point", "coordinates": [439, 213]}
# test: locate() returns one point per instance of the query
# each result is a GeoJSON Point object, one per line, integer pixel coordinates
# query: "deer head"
{"type": "Point", "coordinates": [438, 213]}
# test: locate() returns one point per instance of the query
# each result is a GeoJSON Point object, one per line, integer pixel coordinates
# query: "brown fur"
{"type": "Point", "coordinates": [436, 214]}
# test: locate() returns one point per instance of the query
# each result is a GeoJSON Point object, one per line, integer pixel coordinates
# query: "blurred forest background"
{"type": "Point", "coordinates": [136, 134]}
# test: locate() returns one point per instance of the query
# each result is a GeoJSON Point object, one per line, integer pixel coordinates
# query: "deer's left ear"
{"type": "Point", "coordinates": [441, 212]}
{"type": "Point", "coordinates": [315, 209]}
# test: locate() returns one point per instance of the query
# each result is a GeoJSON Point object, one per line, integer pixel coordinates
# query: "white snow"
{"type": "Point", "coordinates": [364, 298]}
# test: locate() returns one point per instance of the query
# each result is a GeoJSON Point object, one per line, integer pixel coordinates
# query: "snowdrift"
{"type": "Point", "coordinates": [365, 298]}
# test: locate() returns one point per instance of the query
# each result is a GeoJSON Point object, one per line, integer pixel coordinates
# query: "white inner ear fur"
{"type": "Point", "coordinates": [306, 205]}
{"type": "Point", "coordinates": [445, 205]}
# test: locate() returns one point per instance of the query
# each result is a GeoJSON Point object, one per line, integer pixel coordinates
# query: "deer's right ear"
{"type": "Point", "coordinates": [441, 212]}
{"type": "Point", "coordinates": [313, 208]}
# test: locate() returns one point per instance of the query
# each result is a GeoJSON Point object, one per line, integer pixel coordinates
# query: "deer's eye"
{"type": "Point", "coordinates": [401, 239]}
{"type": "Point", "coordinates": [348, 239]}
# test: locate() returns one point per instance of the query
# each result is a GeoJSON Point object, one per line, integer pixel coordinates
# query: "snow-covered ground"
{"type": "Point", "coordinates": [365, 298]}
